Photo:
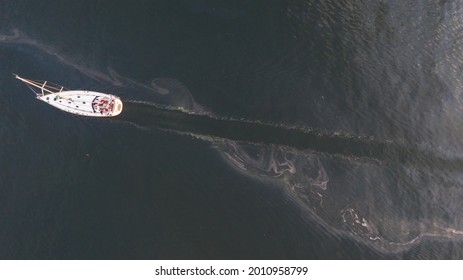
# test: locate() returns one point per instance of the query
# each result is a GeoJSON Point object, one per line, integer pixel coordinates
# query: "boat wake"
{"type": "Point", "coordinates": [388, 194]}
{"type": "Point", "coordinates": [203, 124]}
{"type": "Point", "coordinates": [391, 216]}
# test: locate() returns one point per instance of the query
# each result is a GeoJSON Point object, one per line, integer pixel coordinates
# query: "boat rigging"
{"type": "Point", "coordinates": [78, 102]}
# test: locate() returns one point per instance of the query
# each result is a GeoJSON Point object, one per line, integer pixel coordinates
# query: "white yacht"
{"type": "Point", "coordinates": [79, 102]}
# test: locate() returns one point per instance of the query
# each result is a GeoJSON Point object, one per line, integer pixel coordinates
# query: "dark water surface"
{"type": "Point", "coordinates": [251, 130]}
